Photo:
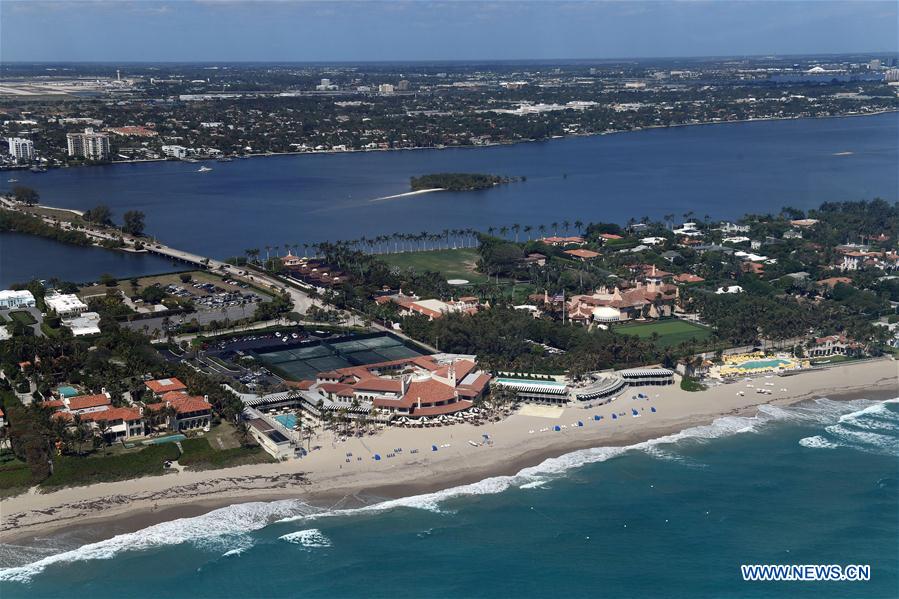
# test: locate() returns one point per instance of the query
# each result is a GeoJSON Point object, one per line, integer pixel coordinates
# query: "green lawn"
{"type": "Point", "coordinates": [453, 264]}
{"type": "Point", "coordinates": [23, 317]}
{"type": "Point", "coordinates": [200, 455]}
{"type": "Point", "coordinates": [15, 477]}
{"type": "Point", "coordinates": [74, 470]}
{"type": "Point", "coordinates": [671, 332]}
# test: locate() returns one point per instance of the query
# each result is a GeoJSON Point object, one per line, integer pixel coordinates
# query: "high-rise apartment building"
{"type": "Point", "coordinates": [21, 149]}
{"type": "Point", "coordinates": [90, 145]}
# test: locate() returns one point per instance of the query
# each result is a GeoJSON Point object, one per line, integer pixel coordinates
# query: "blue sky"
{"type": "Point", "coordinates": [298, 30]}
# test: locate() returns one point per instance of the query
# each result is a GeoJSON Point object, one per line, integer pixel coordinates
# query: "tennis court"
{"type": "Point", "coordinates": [306, 360]}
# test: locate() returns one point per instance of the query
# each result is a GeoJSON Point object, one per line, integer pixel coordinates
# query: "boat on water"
{"type": "Point", "coordinates": [225, 160]}
{"type": "Point", "coordinates": [203, 169]}
{"type": "Point", "coordinates": [12, 180]}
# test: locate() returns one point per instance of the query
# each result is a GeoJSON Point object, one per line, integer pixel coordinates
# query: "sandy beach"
{"type": "Point", "coordinates": [407, 194]}
{"type": "Point", "coordinates": [335, 474]}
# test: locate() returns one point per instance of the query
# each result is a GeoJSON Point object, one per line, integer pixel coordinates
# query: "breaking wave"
{"type": "Point", "coordinates": [230, 521]}
{"type": "Point", "coordinates": [874, 428]}
{"type": "Point", "coordinates": [234, 523]}
{"type": "Point", "coordinates": [309, 539]}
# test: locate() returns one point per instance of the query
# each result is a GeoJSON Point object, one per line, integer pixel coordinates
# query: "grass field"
{"type": "Point", "coordinates": [199, 454]}
{"type": "Point", "coordinates": [15, 477]}
{"type": "Point", "coordinates": [197, 276]}
{"type": "Point", "coordinates": [22, 316]}
{"type": "Point", "coordinates": [75, 470]}
{"type": "Point", "coordinates": [670, 332]}
{"type": "Point", "coordinates": [453, 264]}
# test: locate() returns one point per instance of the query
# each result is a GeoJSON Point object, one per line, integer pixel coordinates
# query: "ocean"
{"type": "Point", "coordinates": [719, 170]}
{"type": "Point", "coordinates": [816, 483]}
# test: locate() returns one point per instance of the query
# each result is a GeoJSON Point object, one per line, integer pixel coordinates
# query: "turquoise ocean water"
{"type": "Point", "coordinates": [673, 517]}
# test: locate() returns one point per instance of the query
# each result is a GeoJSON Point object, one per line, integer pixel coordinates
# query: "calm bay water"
{"type": "Point", "coordinates": [723, 171]}
{"type": "Point", "coordinates": [675, 517]}
{"type": "Point", "coordinates": [25, 257]}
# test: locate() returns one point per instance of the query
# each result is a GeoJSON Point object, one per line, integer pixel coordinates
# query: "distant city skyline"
{"type": "Point", "coordinates": [315, 31]}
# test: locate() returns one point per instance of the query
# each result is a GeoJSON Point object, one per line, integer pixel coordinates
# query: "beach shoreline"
{"type": "Point", "coordinates": [326, 479]}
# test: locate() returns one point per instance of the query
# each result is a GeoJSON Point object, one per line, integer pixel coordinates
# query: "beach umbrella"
{"type": "Point", "coordinates": [634, 412]}
{"type": "Point", "coordinates": [433, 448]}
{"type": "Point", "coordinates": [652, 409]}
{"type": "Point", "coordinates": [557, 428]}
{"type": "Point", "coordinates": [579, 423]}
{"type": "Point", "coordinates": [377, 457]}
{"type": "Point", "coordinates": [485, 435]}
{"type": "Point", "coordinates": [614, 416]}
{"type": "Point", "coordinates": [597, 417]}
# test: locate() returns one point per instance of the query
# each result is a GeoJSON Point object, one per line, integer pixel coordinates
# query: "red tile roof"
{"type": "Point", "coordinates": [583, 254]}
{"type": "Point", "coordinates": [126, 414]}
{"type": "Point", "coordinates": [183, 403]}
{"type": "Point", "coordinates": [429, 392]}
{"type": "Point", "coordinates": [334, 387]}
{"type": "Point", "coordinates": [304, 385]}
{"type": "Point", "coordinates": [688, 278]}
{"type": "Point", "coordinates": [161, 386]}
{"type": "Point", "coordinates": [377, 384]}
{"type": "Point", "coordinates": [83, 402]}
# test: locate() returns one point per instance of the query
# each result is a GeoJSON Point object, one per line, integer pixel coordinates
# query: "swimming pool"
{"type": "Point", "coordinates": [288, 420]}
{"type": "Point", "coordinates": [759, 364]}
{"type": "Point", "coordinates": [169, 439]}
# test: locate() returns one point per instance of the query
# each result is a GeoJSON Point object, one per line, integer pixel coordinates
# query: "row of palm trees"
{"type": "Point", "coordinates": [395, 243]}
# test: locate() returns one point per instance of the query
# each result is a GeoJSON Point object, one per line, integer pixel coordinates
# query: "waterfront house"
{"type": "Point", "coordinates": [412, 387]}
{"type": "Point", "coordinates": [557, 241]}
{"type": "Point", "coordinates": [65, 305]}
{"type": "Point", "coordinates": [648, 298]}
{"type": "Point", "coordinates": [582, 254]}
{"type": "Point", "coordinates": [84, 404]}
{"type": "Point", "coordinates": [432, 308]}
{"type": "Point", "coordinates": [12, 300]}
{"type": "Point", "coordinates": [834, 345]}
{"type": "Point", "coordinates": [185, 412]}
{"type": "Point", "coordinates": [117, 423]}
{"type": "Point", "coordinates": [160, 387]}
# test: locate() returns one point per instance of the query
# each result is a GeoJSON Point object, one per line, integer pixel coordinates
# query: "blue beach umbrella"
{"type": "Point", "coordinates": [433, 448]}
{"type": "Point", "coordinates": [557, 428]}
{"type": "Point", "coordinates": [579, 423]}
{"type": "Point", "coordinates": [377, 456]}
{"type": "Point", "coordinates": [597, 417]}
{"type": "Point", "coordinates": [652, 409]}
{"type": "Point", "coordinates": [614, 416]}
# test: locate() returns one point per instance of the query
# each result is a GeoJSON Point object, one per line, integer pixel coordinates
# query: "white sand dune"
{"type": "Point", "coordinates": [405, 195]}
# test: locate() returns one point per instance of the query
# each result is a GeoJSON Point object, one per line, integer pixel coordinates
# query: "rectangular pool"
{"type": "Point", "coordinates": [288, 420]}
{"type": "Point", "coordinates": [169, 439]}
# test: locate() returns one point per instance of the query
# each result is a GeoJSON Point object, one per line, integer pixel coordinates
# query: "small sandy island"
{"type": "Point", "coordinates": [407, 194]}
{"type": "Point", "coordinates": [343, 471]}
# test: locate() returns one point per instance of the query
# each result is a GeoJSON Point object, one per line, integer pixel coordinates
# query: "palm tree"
{"type": "Point", "coordinates": [527, 230]}
{"type": "Point", "coordinates": [243, 431]}
{"type": "Point", "coordinates": [579, 225]}
{"type": "Point", "coordinates": [516, 228]}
